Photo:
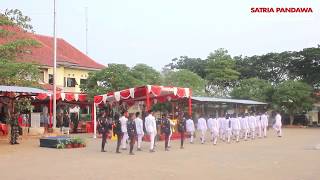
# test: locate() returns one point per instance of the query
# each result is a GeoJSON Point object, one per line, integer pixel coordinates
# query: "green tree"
{"type": "Point", "coordinates": [196, 65]}
{"type": "Point", "coordinates": [221, 73]}
{"type": "Point", "coordinates": [113, 78]}
{"type": "Point", "coordinates": [185, 78]}
{"type": "Point", "coordinates": [292, 97]}
{"type": "Point", "coordinates": [254, 89]}
{"type": "Point", "coordinates": [146, 74]}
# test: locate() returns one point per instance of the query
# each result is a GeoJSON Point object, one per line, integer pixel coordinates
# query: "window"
{"type": "Point", "coordinates": [71, 82]}
{"type": "Point", "coordinates": [50, 78]}
{"type": "Point", "coordinates": [83, 81]}
{"type": "Point", "coordinates": [41, 77]}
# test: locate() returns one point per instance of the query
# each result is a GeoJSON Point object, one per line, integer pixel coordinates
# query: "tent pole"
{"type": "Point", "coordinates": [94, 120]}
{"type": "Point", "coordinates": [50, 111]}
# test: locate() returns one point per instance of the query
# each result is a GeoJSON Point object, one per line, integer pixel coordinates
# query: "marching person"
{"type": "Point", "coordinates": [264, 124]}
{"type": "Point", "coordinates": [190, 128]}
{"type": "Point", "coordinates": [252, 125]}
{"type": "Point", "coordinates": [228, 127]}
{"type": "Point", "coordinates": [123, 119]}
{"type": "Point", "coordinates": [181, 129]}
{"type": "Point", "coordinates": [202, 127]}
{"type": "Point", "coordinates": [215, 130]}
{"type": "Point", "coordinates": [165, 129]}
{"type": "Point", "coordinates": [222, 126]}
{"type": "Point", "coordinates": [278, 124]}
{"type": "Point", "coordinates": [66, 123]}
{"type": "Point", "coordinates": [244, 126]}
{"type": "Point", "coordinates": [105, 127]}
{"type": "Point", "coordinates": [171, 131]}
{"type": "Point", "coordinates": [235, 123]}
{"type": "Point", "coordinates": [140, 132]}
{"type": "Point", "coordinates": [132, 131]}
{"type": "Point", "coordinates": [259, 124]}
{"type": "Point", "coordinates": [151, 128]}
{"type": "Point", "coordinates": [117, 131]}
{"type": "Point", "coordinates": [210, 127]}
{"type": "Point", "coordinates": [14, 132]}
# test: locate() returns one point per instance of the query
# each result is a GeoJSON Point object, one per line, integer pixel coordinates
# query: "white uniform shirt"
{"type": "Point", "coordinates": [202, 124]}
{"type": "Point", "coordinates": [215, 125]}
{"type": "Point", "coordinates": [278, 120]}
{"type": "Point", "coordinates": [139, 125]}
{"type": "Point", "coordinates": [258, 121]}
{"type": "Point", "coordinates": [150, 123]}
{"type": "Point", "coordinates": [227, 124]}
{"type": "Point", "coordinates": [252, 122]}
{"type": "Point", "coordinates": [235, 123]}
{"type": "Point", "coordinates": [264, 120]}
{"type": "Point", "coordinates": [210, 124]}
{"type": "Point", "coordinates": [190, 125]}
{"type": "Point", "coordinates": [244, 122]}
{"type": "Point", "coordinates": [123, 120]}
{"type": "Point", "coordinates": [221, 123]}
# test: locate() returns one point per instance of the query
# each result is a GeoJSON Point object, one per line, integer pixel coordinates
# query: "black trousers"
{"type": "Point", "coordinates": [166, 140]}
{"type": "Point", "coordinates": [119, 137]}
{"type": "Point", "coordinates": [132, 142]}
{"type": "Point", "coordinates": [182, 138]}
{"type": "Point", "coordinates": [104, 140]}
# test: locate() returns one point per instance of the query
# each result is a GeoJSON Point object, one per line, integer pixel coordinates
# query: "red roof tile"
{"type": "Point", "coordinates": [43, 55]}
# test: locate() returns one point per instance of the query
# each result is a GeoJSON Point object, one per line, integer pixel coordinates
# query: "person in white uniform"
{"type": "Point", "coordinates": [264, 124]}
{"type": "Point", "coordinates": [222, 128]}
{"type": "Point", "coordinates": [244, 126]}
{"type": "Point", "coordinates": [139, 127]}
{"type": "Point", "coordinates": [123, 120]}
{"type": "Point", "coordinates": [235, 124]}
{"type": "Point", "coordinates": [171, 131]}
{"type": "Point", "coordinates": [228, 127]}
{"type": "Point", "coordinates": [151, 128]}
{"type": "Point", "coordinates": [202, 127]}
{"type": "Point", "coordinates": [252, 125]}
{"type": "Point", "coordinates": [210, 127]}
{"type": "Point", "coordinates": [190, 129]}
{"type": "Point", "coordinates": [258, 125]}
{"type": "Point", "coordinates": [278, 124]}
{"type": "Point", "coordinates": [215, 130]}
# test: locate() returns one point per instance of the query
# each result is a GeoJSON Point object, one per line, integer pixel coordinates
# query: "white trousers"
{"type": "Point", "coordinates": [252, 131]}
{"type": "Point", "coordinates": [245, 133]}
{"type": "Point", "coordinates": [278, 129]}
{"type": "Point", "coordinates": [228, 134]}
{"type": "Point", "coordinates": [215, 136]}
{"type": "Point", "coordinates": [221, 132]}
{"type": "Point", "coordinates": [152, 136]}
{"type": "Point", "coordinates": [191, 136]}
{"type": "Point", "coordinates": [140, 136]}
{"type": "Point", "coordinates": [124, 140]}
{"type": "Point", "coordinates": [236, 133]}
{"type": "Point", "coordinates": [203, 135]}
{"type": "Point", "coordinates": [259, 131]}
{"type": "Point", "coordinates": [264, 131]}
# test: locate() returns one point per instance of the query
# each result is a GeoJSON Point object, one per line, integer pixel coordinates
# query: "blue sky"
{"type": "Point", "coordinates": [155, 31]}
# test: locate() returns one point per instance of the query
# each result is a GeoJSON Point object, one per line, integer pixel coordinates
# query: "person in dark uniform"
{"type": "Point", "coordinates": [132, 131]}
{"type": "Point", "coordinates": [165, 129]}
{"type": "Point", "coordinates": [181, 128]}
{"type": "Point", "coordinates": [104, 127]}
{"type": "Point", "coordinates": [117, 130]}
{"type": "Point", "coordinates": [14, 129]}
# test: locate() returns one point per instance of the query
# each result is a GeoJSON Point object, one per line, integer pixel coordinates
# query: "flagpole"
{"type": "Point", "coordinates": [54, 66]}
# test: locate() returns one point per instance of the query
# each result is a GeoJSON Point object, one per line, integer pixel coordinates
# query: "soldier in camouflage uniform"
{"type": "Point", "coordinates": [14, 129]}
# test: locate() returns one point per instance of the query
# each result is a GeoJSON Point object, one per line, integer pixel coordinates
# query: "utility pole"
{"type": "Point", "coordinates": [86, 14]}
{"type": "Point", "coordinates": [54, 66]}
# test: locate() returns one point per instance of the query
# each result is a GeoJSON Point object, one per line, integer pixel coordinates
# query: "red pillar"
{"type": "Point", "coordinates": [50, 111]}
{"type": "Point", "coordinates": [190, 103]}
{"type": "Point", "coordinates": [92, 117]}
{"type": "Point", "coordinates": [147, 100]}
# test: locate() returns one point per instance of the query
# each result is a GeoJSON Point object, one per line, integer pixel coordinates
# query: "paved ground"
{"type": "Point", "coordinates": [292, 157]}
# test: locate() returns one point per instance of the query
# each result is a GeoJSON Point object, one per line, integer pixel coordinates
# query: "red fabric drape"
{"type": "Point", "coordinates": [42, 96]}
{"type": "Point", "coordinates": [69, 96]}
{"type": "Point", "coordinates": [98, 99]}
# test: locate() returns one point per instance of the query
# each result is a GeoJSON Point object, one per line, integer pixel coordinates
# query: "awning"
{"type": "Point", "coordinates": [19, 89]}
{"type": "Point", "coordinates": [225, 100]}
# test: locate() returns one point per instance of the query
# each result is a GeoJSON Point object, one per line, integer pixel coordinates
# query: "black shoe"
{"type": "Point", "coordinates": [152, 150]}
{"type": "Point", "coordinates": [16, 143]}
{"type": "Point", "coordinates": [166, 149]}
{"type": "Point", "coordinates": [102, 150]}
{"type": "Point", "coordinates": [181, 147]}
{"type": "Point", "coordinates": [118, 152]}
{"type": "Point", "coordinates": [139, 149]}
{"type": "Point", "coordinates": [131, 153]}
{"type": "Point", "coordinates": [124, 149]}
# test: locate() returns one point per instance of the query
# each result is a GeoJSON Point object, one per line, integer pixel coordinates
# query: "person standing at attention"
{"type": "Point", "coordinates": [151, 128]}
{"type": "Point", "coordinates": [165, 129]}
{"type": "Point", "coordinates": [190, 128]}
{"type": "Point", "coordinates": [139, 127]}
{"type": "Point", "coordinates": [117, 131]}
{"type": "Point", "coordinates": [123, 120]}
{"type": "Point", "coordinates": [132, 131]}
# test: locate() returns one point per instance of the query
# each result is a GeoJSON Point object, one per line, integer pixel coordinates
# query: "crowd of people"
{"type": "Point", "coordinates": [129, 128]}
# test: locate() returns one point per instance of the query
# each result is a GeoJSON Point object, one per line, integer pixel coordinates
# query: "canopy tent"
{"type": "Point", "coordinates": [225, 100]}
{"type": "Point", "coordinates": [143, 93]}
{"type": "Point", "coordinates": [4, 90]}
